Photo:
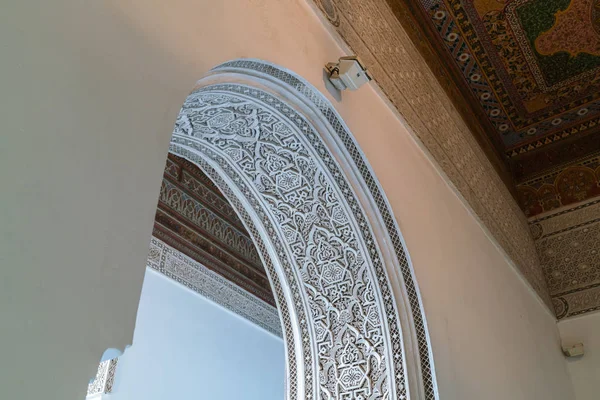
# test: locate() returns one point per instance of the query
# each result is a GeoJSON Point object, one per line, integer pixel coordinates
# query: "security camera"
{"type": "Point", "coordinates": [573, 351]}
{"type": "Point", "coordinates": [347, 73]}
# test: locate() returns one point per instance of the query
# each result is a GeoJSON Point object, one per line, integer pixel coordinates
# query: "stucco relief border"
{"type": "Point", "coordinates": [567, 240]}
{"type": "Point", "coordinates": [373, 187]}
{"type": "Point", "coordinates": [190, 273]}
{"type": "Point", "coordinates": [104, 380]}
{"type": "Point", "coordinates": [185, 146]}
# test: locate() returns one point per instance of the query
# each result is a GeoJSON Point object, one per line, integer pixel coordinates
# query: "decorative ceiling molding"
{"type": "Point", "coordinates": [187, 271]}
{"type": "Point", "coordinates": [194, 217]}
{"type": "Point", "coordinates": [184, 270]}
{"type": "Point", "coordinates": [281, 155]}
{"type": "Point", "coordinates": [534, 165]}
{"type": "Point", "coordinates": [568, 241]}
{"type": "Point", "coordinates": [524, 93]}
{"type": "Point", "coordinates": [381, 35]}
{"type": "Point", "coordinates": [562, 186]}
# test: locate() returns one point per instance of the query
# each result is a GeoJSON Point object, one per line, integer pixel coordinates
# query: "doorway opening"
{"type": "Point", "coordinates": [349, 307]}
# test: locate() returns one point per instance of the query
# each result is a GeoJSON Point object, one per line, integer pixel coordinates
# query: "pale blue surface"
{"type": "Point", "coordinates": [187, 347]}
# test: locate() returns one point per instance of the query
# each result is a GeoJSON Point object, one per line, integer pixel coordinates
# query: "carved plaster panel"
{"type": "Point", "coordinates": [104, 380]}
{"type": "Point", "coordinates": [568, 241]}
{"type": "Point", "coordinates": [266, 142]}
{"type": "Point", "coordinates": [183, 269]}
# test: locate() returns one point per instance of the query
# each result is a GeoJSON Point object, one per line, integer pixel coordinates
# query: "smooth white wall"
{"type": "Point", "coordinates": [584, 371]}
{"type": "Point", "coordinates": [187, 347]}
{"type": "Point", "coordinates": [90, 92]}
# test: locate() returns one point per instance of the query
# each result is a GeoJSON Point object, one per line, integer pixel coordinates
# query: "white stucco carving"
{"type": "Point", "coordinates": [181, 268]}
{"type": "Point", "coordinates": [104, 380]}
{"type": "Point", "coordinates": [350, 310]}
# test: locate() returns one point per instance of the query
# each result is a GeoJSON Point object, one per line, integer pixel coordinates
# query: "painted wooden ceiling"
{"type": "Point", "coordinates": [413, 49]}
{"type": "Point", "coordinates": [195, 218]}
{"type": "Point", "coordinates": [529, 72]}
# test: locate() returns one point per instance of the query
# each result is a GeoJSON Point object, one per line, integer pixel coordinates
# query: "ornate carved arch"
{"type": "Point", "coordinates": [349, 304]}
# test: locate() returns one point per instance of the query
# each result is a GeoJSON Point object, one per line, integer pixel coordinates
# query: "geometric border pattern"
{"type": "Point", "coordinates": [195, 219]}
{"type": "Point", "coordinates": [186, 271]}
{"type": "Point", "coordinates": [105, 378]}
{"type": "Point", "coordinates": [335, 121]}
{"type": "Point", "coordinates": [451, 19]}
{"type": "Point", "coordinates": [196, 139]}
{"type": "Point", "coordinates": [568, 241]}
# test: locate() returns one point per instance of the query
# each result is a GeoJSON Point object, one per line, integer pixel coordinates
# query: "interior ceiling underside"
{"type": "Point", "coordinates": [529, 70]}
{"type": "Point", "coordinates": [194, 217]}
{"type": "Point", "coordinates": [504, 96]}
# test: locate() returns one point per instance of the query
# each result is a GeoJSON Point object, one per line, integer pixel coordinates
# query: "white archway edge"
{"type": "Point", "coordinates": [349, 304]}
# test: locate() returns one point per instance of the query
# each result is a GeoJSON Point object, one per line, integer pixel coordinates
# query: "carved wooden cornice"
{"type": "Point", "coordinates": [384, 37]}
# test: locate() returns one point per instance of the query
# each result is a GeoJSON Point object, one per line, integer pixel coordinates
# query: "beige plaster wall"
{"type": "Point", "coordinates": [90, 91]}
{"type": "Point", "coordinates": [584, 371]}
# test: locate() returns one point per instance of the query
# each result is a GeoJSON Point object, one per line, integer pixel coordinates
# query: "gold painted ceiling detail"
{"type": "Point", "coordinates": [528, 70]}
{"type": "Point", "coordinates": [537, 117]}
{"type": "Point", "coordinates": [532, 65]}
{"type": "Point", "coordinates": [409, 73]}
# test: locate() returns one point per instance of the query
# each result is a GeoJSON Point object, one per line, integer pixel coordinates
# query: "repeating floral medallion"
{"type": "Point", "coordinates": [568, 241]}
{"type": "Point", "coordinates": [561, 187]}
{"type": "Point", "coordinates": [568, 34]}
{"type": "Point", "coordinates": [324, 256]}
{"type": "Point", "coordinates": [477, 58]}
{"type": "Point", "coordinates": [532, 65]}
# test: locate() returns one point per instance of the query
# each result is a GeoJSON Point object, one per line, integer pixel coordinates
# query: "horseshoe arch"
{"type": "Point", "coordinates": [352, 318]}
